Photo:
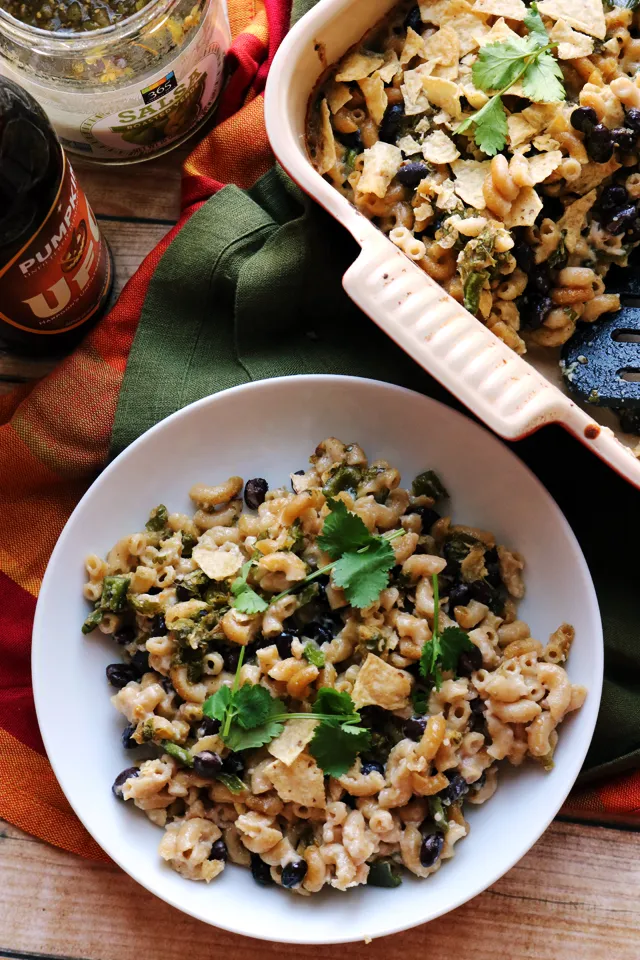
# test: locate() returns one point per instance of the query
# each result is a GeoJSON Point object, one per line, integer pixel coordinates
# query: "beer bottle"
{"type": "Point", "coordinates": [55, 267]}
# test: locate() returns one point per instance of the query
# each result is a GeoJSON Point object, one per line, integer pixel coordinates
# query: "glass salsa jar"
{"type": "Point", "coordinates": [128, 91]}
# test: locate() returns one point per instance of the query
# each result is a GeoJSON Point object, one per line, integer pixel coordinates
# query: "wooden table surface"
{"type": "Point", "coordinates": [575, 896]}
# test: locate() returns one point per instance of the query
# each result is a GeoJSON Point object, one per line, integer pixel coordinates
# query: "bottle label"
{"type": "Point", "coordinates": [60, 277]}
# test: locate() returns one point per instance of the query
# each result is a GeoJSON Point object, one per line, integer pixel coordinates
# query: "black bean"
{"type": "Point", "coordinates": [320, 630]}
{"type": "Point", "coordinates": [625, 139]}
{"type": "Point", "coordinates": [158, 626]}
{"type": "Point", "coordinates": [182, 593]}
{"type": "Point", "coordinates": [524, 256]}
{"type": "Point", "coordinates": [208, 727]}
{"type": "Point", "coordinates": [613, 198]}
{"type": "Point", "coordinates": [261, 871]}
{"type": "Point", "coordinates": [233, 764]}
{"type": "Point", "coordinates": [540, 279]}
{"type": "Point", "coordinates": [599, 144]}
{"type": "Point", "coordinates": [459, 596]}
{"type": "Point", "coordinates": [481, 592]}
{"type": "Point", "coordinates": [124, 635]}
{"type": "Point", "coordinates": [534, 310]}
{"type": "Point", "coordinates": [120, 780]}
{"type": "Point", "coordinates": [127, 734]}
{"type": "Point", "coordinates": [140, 660]}
{"type": "Point", "coordinates": [294, 873]}
{"type": "Point", "coordinates": [413, 19]}
{"type": "Point", "coordinates": [120, 674]}
{"type": "Point", "coordinates": [632, 118]}
{"type": "Point", "coordinates": [427, 515]}
{"type": "Point", "coordinates": [218, 851]}
{"type": "Point", "coordinates": [371, 766]}
{"type": "Point", "coordinates": [492, 563]}
{"type": "Point", "coordinates": [469, 661]}
{"type": "Point", "coordinates": [584, 119]}
{"type": "Point", "coordinates": [414, 727]}
{"type": "Point", "coordinates": [283, 643]}
{"type": "Point", "coordinates": [207, 764]}
{"type": "Point", "coordinates": [622, 220]}
{"type": "Point", "coordinates": [352, 141]}
{"type": "Point", "coordinates": [254, 492]}
{"type": "Point", "coordinates": [390, 126]}
{"type": "Point", "coordinates": [410, 174]}
{"type": "Point", "coordinates": [230, 657]}
{"type": "Point", "coordinates": [431, 848]}
{"type": "Point", "coordinates": [458, 788]}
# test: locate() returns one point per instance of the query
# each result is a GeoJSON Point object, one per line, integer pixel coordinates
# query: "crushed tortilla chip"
{"type": "Point", "coordinates": [292, 741]}
{"type": "Point", "coordinates": [524, 209]}
{"type": "Point", "coordinates": [218, 562]}
{"type": "Point", "coordinates": [511, 9]}
{"type": "Point", "coordinates": [439, 148]}
{"type": "Point", "coordinates": [413, 47]}
{"type": "Point", "coordinates": [447, 199]}
{"type": "Point", "coordinates": [584, 15]}
{"type": "Point", "coordinates": [375, 96]}
{"type": "Point", "coordinates": [470, 175]}
{"type": "Point", "coordinates": [357, 66]}
{"type": "Point", "coordinates": [447, 73]}
{"type": "Point", "coordinates": [476, 98]}
{"type": "Point", "coordinates": [381, 163]}
{"type": "Point", "coordinates": [381, 684]}
{"type": "Point", "coordinates": [531, 121]}
{"type": "Point", "coordinates": [469, 30]}
{"type": "Point", "coordinates": [499, 33]}
{"type": "Point", "coordinates": [443, 46]}
{"type": "Point", "coordinates": [592, 174]}
{"type": "Point", "coordinates": [325, 159]}
{"type": "Point", "coordinates": [390, 67]}
{"type": "Point", "coordinates": [415, 97]}
{"type": "Point", "coordinates": [337, 95]}
{"type": "Point", "coordinates": [443, 93]}
{"type": "Point", "coordinates": [570, 43]}
{"type": "Point", "coordinates": [572, 220]}
{"type": "Point", "coordinates": [300, 782]}
{"type": "Point", "coordinates": [408, 145]}
{"type": "Point", "coordinates": [542, 165]}
{"type": "Point", "coordinates": [545, 142]}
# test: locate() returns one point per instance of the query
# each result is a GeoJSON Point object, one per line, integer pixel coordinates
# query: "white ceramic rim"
{"type": "Point", "coordinates": [40, 680]}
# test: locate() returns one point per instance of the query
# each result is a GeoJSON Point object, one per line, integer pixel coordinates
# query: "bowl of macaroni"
{"type": "Point", "coordinates": [348, 693]}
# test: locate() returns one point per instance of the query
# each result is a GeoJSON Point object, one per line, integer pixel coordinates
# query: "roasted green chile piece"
{"type": "Point", "coordinates": [384, 873]}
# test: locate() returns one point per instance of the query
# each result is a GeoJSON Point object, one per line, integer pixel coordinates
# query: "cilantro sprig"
{"type": "Point", "coordinates": [499, 67]}
{"type": "Point", "coordinates": [441, 652]}
{"type": "Point", "coordinates": [360, 562]}
{"type": "Point", "coordinates": [250, 717]}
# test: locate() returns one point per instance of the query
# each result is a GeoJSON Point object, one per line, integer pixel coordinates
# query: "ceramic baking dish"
{"type": "Point", "coordinates": [513, 395]}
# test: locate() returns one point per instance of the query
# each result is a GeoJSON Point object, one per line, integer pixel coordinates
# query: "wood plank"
{"type": "Point", "coordinates": [130, 243]}
{"type": "Point", "coordinates": [150, 190]}
{"type": "Point", "coordinates": [576, 894]}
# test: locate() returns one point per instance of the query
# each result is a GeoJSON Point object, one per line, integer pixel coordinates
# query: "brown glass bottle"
{"type": "Point", "coordinates": [55, 267]}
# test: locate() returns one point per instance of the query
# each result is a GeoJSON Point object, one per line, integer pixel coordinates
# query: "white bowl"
{"type": "Point", "coordinates": [269, 429]}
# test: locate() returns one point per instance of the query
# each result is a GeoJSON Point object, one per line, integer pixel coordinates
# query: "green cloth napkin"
{"type": "Point", "coordinates": [251, 288]}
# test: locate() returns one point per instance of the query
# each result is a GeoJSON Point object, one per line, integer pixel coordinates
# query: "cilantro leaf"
{"type": "Point", "coordinates": [364, 575]}
{"type": "Point", "coordinates": [336, 747]}
{"type": "Point", "coordinates": [314, 655]}
{"type": "Point", "coordinates": [239, 739]}
{"type": "Point", "coordinates": [334, 702]}
{"type": "Point", "coordinates": [246, 600]}
{"type": "Point", "coordinates": [535, 26]}
{"type": "Point", "coordinates": [343, 531]}
{"type": "Point", "coordinates": [215, 707]}
{"type": "Point", "coordinates": [254, 704]}
{"type": "Point", "coordinates": [431, 652]}
{"type": "Point", "coordinates": [543, 80]}
{"type": "Point", "coordinates": [453, 641]}
{"type": "Point", "coordinates": [491, 127]}
{"type": "Point", "coordinates": [499, 64]}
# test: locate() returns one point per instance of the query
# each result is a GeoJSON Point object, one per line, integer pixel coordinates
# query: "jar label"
{"type": "Point", "coordinates": [62, 274]}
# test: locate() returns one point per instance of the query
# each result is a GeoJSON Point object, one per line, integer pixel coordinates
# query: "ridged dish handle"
{"type": "Point", "coordinates": [495, 383]}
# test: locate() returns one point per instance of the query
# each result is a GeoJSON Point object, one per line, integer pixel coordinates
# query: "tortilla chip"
{"type": "Point", "coordinates": [584, 15]}
{"type": "Point", "coordinates": [443, 93]}
{"type": "Point", "coordinates": [545, 142]}
{"type": "Point", "coordinates": [381, 684]}
{"type": "Point", "coordinates": [415, 97]}
{"type": "Point", "coordinates": [469, 30]}
{"type": "Point", "coordinates": [301, 782]}
{"type": "Point", "coordinates": [511, 9]}
{"type": "Point", "coordinates": [325, 158]}
{"type": "Point", "coordinates": [218, 562]}
{"type": "Point", "coordinates": [531, 121]}
{"type": "Point", "coordinates": [447, 73]}
{"type": "Point", "coordinates": [391, 66]}
{"type": "Point", "coordinates": [413, 47]}
{"type": "Point", "coordinates": [375, 96]}
{"type": "Point", "coordinates": [292, 741]}
{"type": "Point", "coordinates": [499, 33]}
{"type": "Point", "coordinates": [542, 165]}
{"type": "Point", "coordinates": [357, 66]}
{"type": "Point", "coordinates": [470, 175]}
{"type": "Point", "coordinates": [524, 209]}
{"type": "Point", "coordinates": [337, 95]}
{"type": "Point", "coordinates": [572, 220]}
{"type": "Point", "coordinates": [443, 46]}
{"type": "Point", "coordinates": [570, 43]}
{"type": "Point", "coordinates": [476, 98]}
{"type": "Point", "coordinates": [447, 199]}
{"type": "Point", "coordinates": [438, 148]}
{"type": "Point", "coordinates": [593, 174]}
{"type": "Point", "coordinates": [408, 145]}
{"type": "Point", "coordinates": [381, 163]}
